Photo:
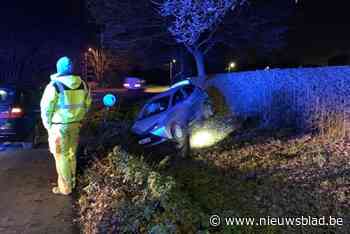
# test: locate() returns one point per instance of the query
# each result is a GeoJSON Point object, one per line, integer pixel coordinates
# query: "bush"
{"type": "Point", "coordinates": [121, 193]}
{"type": "Point", "coordinates": [331, 125]}
{"type": "Point", "coordinates": [305, 99]}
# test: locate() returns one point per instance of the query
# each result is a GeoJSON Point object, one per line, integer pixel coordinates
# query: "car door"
{"type": "Point", "coordinates": [192, 101]}
{"type": "Point", "coordinates": [180, 108]}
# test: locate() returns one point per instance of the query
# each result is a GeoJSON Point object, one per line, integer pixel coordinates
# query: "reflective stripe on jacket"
{"type": "Point", "coordinates": [71, 106]}
{"type": "Point", "coordinates": [66, 99]}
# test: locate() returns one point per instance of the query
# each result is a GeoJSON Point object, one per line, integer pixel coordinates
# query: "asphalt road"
{"type": "Point", "coordinates": [26, 202]}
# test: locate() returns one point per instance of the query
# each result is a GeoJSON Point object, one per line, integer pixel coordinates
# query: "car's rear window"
{"type": "Point", "coordinates": [155, 107]}
{"type": "Point", "coordinates": [6, 96]}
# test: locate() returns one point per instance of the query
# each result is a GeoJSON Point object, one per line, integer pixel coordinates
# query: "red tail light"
{"type": "Point", "coordinates": [16, 112]}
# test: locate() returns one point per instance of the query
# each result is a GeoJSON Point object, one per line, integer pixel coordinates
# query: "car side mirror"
{"type": "Point", "coordinates": [109, 100]}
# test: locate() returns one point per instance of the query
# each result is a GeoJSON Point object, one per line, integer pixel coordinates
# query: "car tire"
{"type": "Point", "coordinates": [36, 138]}
{"type": "Point", "coordinates": [181, 138]}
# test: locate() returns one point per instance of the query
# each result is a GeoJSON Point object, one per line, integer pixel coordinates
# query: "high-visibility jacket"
{"type": "Point", "coordinates": [66, 100]}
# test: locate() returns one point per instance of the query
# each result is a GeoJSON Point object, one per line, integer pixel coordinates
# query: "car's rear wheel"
{"type": "Point", "coordinates": [181, 138]}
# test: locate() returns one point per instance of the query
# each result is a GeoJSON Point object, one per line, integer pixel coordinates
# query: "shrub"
{"type": "Point", "coordinates": [331, 125]}
{"type": "Point", "coordinates": [304, 99]}
{"type": "Point", "coordinates": [120, 193]}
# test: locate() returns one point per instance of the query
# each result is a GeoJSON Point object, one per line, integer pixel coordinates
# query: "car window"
{"type": "Point", "coordinates": [6, 96]}
{"type": "Point", "coordinates": [155, 107]}
{"type": "Point", "coordinates": [189, 89]}
{"type": "Point", "coordinates": [178, 97]}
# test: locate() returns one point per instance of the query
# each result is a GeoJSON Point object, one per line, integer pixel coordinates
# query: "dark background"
{"type": "Point", "coordinates": [319, 32]}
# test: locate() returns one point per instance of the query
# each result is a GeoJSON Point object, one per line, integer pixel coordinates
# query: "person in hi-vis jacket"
{"type": "Point", "coordinates": [64, 104]}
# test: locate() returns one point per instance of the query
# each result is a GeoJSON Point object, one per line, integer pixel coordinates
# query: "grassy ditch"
{"type": "Point", "coordinates": [249, 174]}
{"type": "Point", "coordinates": [252, 173]}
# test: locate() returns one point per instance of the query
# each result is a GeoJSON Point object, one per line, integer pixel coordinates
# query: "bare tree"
{"type": "Point", "coordinates": [194, 23]}
{"type": "Point", "coordinates": [241, 24]}
{"type": "Point", "coordinates": [100, 61]}
{"type": "Point", "coordinates": [127, 25]}
{"type": "Point", "coordinates": [138, 27]}
{"type": "Point", "coordinates": [260, 25]}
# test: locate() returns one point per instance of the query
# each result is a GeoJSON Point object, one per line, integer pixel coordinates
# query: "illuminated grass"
{"type": "Point", "coordinates": [211, 132]}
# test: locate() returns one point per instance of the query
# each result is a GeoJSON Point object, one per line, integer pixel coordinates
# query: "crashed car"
{"type": "Point", "coordinates": [167, 117]}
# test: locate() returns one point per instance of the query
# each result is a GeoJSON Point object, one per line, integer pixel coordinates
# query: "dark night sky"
{"type": "Point", "coordinates": [39, 20]}
{"type": "Point", "coordinates": [321, 28]}
{"type": "Point", "coordinates": [47, 13]}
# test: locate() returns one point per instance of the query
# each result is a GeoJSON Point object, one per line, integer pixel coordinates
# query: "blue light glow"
{"type": "Point", "coordinates": [109, 100]}
{"type": "Point", "coordinates": [161, 132]}
{"type": "Point", "coordinates": [181, 83]}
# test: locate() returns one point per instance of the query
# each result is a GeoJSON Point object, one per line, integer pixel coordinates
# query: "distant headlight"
{"type": "Point", "coordinates": [137, 86]}
{"type": "Point", "coordinates": [126, 85]}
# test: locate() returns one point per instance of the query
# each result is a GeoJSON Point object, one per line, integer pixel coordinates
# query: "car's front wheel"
{"type": "Point", "coordinates": [207, 110]}
{"type": "Point", "coordinates": [181, 138]}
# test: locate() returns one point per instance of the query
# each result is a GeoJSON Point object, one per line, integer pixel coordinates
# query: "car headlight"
{"type": "Point", "coordinates": [159, 131]}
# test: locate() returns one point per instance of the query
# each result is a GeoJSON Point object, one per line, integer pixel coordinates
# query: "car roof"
{"type": "Point", "coordinates": [132, 78]}
{"type": "Point", "coordinates": [169, 92]}
{"type": "Point", "coordinates": [181, 83]}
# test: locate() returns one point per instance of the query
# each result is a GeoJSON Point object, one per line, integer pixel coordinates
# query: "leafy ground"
{"type": "Point", "coordinates": [252, 173]}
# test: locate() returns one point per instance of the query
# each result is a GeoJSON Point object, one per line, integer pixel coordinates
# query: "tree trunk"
{"type": "Point", "coordinates": [200, 63]}
{"type": "Point", "coordinates": [182, 61]}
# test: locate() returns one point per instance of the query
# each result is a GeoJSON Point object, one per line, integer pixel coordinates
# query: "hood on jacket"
{"type": "Point", "coordinates": [70, 81]}
{"type": "Point", "coordinates": [64, 66]}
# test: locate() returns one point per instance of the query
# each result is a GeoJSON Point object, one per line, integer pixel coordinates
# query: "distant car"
{"type": "Point", "coordinates": [168, 116]}
{"type": "Point", "coordinates": [134, 83]}
{"type": "Point", "coordinates": [19, 116]}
